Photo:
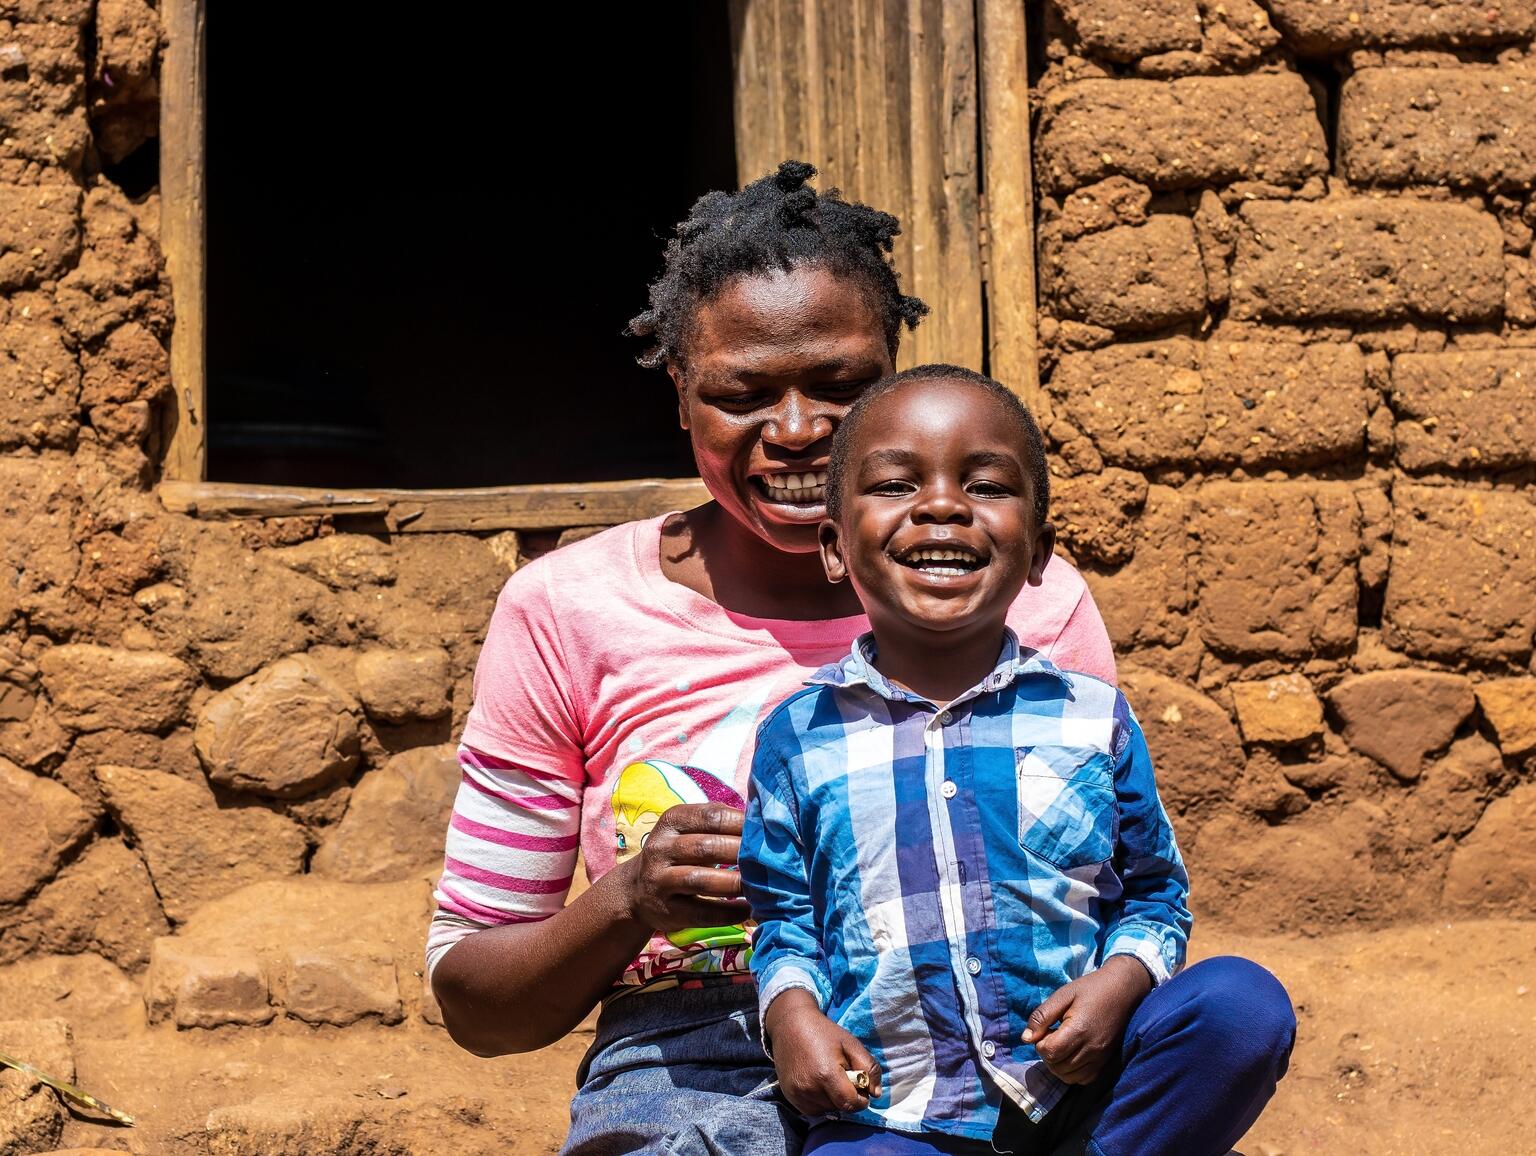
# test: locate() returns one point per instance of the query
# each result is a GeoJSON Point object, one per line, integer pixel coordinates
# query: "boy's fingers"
{"type": "Point", "coordinates": [1052, 1009]}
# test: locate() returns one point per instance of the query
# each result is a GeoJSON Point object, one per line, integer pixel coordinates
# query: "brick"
{"type": "Point", "coordinates": [1145, 601]}
{"type": "Point", "coordinates": [341, 985]}
{"type": "Point", "coordinates": [1468, 409]}
{"type": "Point", "coordinates": [1467, 127]}
{"type": "Point", "coordinates": [1493, 870]}
{"type": "Point", "coordinates": [39, 234]}
{"type": "Point", "coordinates": [1280, 711]}
{"type": "Point", "coordinates": [1328, 28]}
{"type": "Point", "coordinates": [1276, 568]}
{"type": "Point", "coordinates": [198, 987]}
{"type": "Point", "coordinates": [1462, 578]}
{"type": "Point", "coordinates": [1126, 31]}
{"type": "Point", "coordinates": [42, 105]}
{"type": "Point", "coordinates": [1130, 277]}
{"type": "Point", "coordinates": [1509, 705]}
{"type": "Point", "coordinates": [1175, 135]}
{"type": "Point", "coordinates": [1192, 740]}
{"type": "Point", "coordinates": [1221, 403]}
{"type": "Point", "coordinates": [1359, 259]}
{"type": "Point", "coordinates": [1094, 514]}
{"type": "Point", "coordinates": [1399, 716]}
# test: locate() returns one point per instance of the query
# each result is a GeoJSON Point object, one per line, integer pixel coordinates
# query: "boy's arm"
{"type": "Point", "coordinates": [1153, 921]}
{"type": "Point", "coordinates": [811, 1054]}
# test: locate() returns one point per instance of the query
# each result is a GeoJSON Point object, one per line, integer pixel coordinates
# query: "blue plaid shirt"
{"type": "Point", "coordinates": [931, 875]}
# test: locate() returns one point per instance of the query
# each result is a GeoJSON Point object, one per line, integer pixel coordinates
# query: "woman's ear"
{"type": "Point", "coordinates": [675, 372]}
{"type": "Point", "coordinates": [831, 551]}
{"type": "Point", "coordinates": [1045, 543]}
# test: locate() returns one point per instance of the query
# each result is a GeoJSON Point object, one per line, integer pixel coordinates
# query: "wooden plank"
{"type": "Point", "coordinates": [182, 185]}
{"type": "Point", "coordinates": [551, 507]}
{"type": "Point", "coordinates": [957, 184]}
{"type": "Point", "coordinates": [1012, 333]}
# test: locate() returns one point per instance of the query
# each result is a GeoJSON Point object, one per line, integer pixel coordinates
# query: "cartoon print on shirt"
{"type": "Point", "coordinates": [645, 789]}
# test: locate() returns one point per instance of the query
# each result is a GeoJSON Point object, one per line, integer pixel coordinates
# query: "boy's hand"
{"type": "Point", "coordinates": [813, 1056]}
{"type": "Point", "coordinates": [1093, 1012]}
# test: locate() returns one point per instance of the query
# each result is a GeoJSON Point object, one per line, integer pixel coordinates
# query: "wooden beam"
{"type": "Point", "coordinates": [182, 185]}
{"type": "Point", "coordinates": [551, 507]}
{"type": "Point", "coordinates": [1012, 338]}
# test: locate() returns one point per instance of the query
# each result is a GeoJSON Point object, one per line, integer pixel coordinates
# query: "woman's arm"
{"type": "Point", "coordinates": [522, 986]}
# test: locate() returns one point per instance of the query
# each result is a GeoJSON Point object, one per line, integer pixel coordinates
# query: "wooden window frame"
{"type": "Point", "coordinates": [997, 251]}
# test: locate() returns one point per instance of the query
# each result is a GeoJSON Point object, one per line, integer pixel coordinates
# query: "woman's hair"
{"type": "Point", "coordinates": [776, 223]}
{"type": "Point", "coordinates": [1024, 423]}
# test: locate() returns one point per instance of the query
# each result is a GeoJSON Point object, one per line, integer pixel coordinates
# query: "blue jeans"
{"type": "Point", "coordinates": [684, 1073]}
{"type": "Point", "coordinates": [1198, 1062]}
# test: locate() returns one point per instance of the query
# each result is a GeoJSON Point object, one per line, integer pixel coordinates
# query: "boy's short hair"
{"type": "Point", "coordinates": [1029, 431]}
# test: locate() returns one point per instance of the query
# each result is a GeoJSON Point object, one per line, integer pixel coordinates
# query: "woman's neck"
{"type": "Point", "coordinates": [713, 554]}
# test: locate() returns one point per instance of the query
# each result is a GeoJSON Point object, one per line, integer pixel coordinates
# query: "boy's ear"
{"type": "Point", "coordinates": [831, 551]}
{"type": "Point", "coordinates": [1045, 543]}
{"type": "Point", "coordinates": [675, 372]}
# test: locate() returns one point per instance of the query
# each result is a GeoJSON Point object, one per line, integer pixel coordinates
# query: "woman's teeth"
{"type": "Point", "coordinates": [946, 563]}
{"type": "Point", "coordinates": [796, 489]}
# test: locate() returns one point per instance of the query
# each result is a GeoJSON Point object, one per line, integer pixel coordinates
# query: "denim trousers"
{"type": "Point", "coordinates": [683, 1072]}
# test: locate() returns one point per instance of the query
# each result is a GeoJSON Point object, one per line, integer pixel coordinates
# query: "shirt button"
{"type": "Point", "coordinates": [948, 789]}
{"type": "Point", "coordinates": [946, 718]}
{"type": "Point", "coordinates": [973, 965]}
{"type": "Point", "coordinates": [988, 1048]}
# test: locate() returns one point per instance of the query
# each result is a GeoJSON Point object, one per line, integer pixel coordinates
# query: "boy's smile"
{"type": "Point", "coordinates": [937, 530]}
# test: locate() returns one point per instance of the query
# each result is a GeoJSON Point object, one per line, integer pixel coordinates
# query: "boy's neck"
{"type": "Point", "coordinates": [939, 666]}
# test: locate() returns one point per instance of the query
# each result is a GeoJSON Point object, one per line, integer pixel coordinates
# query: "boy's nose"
{"type": "Point", "coordinates": [942, 505]}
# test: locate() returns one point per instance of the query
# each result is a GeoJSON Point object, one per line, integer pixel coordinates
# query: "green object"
{"type": "Point", "coordinates": [68, 1091]}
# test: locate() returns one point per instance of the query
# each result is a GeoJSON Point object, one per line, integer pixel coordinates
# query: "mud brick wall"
{"type": "Point", "coordinates": [1290, 335]}
{"type": "Point", "coordinates": [1289, 309]}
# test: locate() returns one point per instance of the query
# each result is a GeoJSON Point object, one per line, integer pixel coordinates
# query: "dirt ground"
{"type": "Point", "coordinates": [1414, 1041]}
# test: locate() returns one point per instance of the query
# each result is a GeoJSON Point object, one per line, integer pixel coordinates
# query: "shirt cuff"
{"type": "Point", "coordinates": [1148, 949]}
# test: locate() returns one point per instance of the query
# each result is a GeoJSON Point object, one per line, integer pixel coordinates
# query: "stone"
{"type": "Point", "coordinates": [1145, 602]}
{"type": "Point", "coordinates": [1464, 127]}
{"type": "Point", "coordinates": [1509, 705]}
{"type": "Point", "coordinates": [400, 685]}
{"type": "Point", "coordinates": [43, 822]}
{"type": "Point", "coordinates": [1452, 793]}
{"type": "Point", "coordinates": [97, 688]}
{"type": "Point", "coordinates": [1465, 410]}
{"type": "Point", "coordinates": [94, 996]}
{"type": "Point", "coordinates": [1325, 28]}
{"type": "Point", "coordinates": [31, 1113]}
{"type": "Point", "coordinates": [131, 365]}
{"type": "Point", "coordinates": [286, 731]}
{"type": "Point", "coordinates": [103, 902]}
{"type": "Point", "coordinates": [1280, 711]}
{"type": "Point", "coordinates": [197, 989]}
{"type": "Point", "coordinates": [18, 686]}
{"type": "Point", "coordinates": [1131, 278]}
{"type": "Point", "coordinates": [1367, 260]}
{"type": "Point", "coordinates": [39, 555]}
{"type": "Point", "coordinates": [1094, 514]}
{"type": "Point", "coordinates": [395, 824]}
{"type": "Point", "coordinates": [341, 561]}
{"type": "Point", "coordinates": [1276, 568]}
{"type": "Point", "coordinates": [1493, 870]}
{"type": "Point", "coordinates": [39, 233]}
{"type": "Point", "coordinates": [196, 851]}
{"type": "Point", "coordinates": [1194, 745]}
{"type": "Point", "coordinates": [1200, 130]}
{"type": "Point", "coordinates": [341, 985]}
{"type": "Point", "coordinates": [1462, 577]}
{"type": "Point", "coordinates": [39, 385]}
{"type": "Point", "coordinates": [172, 753]}
{"type": "Point", "coordinates": [1399, 716]}
{"type": "Point", "coordinates": [1123, 32]}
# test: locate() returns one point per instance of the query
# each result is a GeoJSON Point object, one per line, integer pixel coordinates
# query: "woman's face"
{"type": "Point", "coordinates": [772, 364]}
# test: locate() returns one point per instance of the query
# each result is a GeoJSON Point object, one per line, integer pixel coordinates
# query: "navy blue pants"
{"type": "Point", "coordinates": [1199, 1060]}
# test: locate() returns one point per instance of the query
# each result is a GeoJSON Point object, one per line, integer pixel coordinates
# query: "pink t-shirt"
{"type": "Point", "coordinates": [607, 692]}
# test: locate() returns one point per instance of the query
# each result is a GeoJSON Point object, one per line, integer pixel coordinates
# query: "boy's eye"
{"type": "Point", "coordinates": [986, 489]}
{"type": "Point", "coordinates": [892, 486]}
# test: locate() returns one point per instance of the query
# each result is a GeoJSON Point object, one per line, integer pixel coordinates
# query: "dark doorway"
{"type": "Point", "coordinates": [424, 237]}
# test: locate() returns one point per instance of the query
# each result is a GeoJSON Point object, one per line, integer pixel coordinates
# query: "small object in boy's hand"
{"type": "Point", "coordinates": [866, 1081]}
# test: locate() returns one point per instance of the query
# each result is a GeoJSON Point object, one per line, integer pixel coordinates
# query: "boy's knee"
{"type": "Point", "coordinates": [1245, 1004]}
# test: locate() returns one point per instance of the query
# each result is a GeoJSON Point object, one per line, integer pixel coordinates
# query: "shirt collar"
{"type": "Point", "coordinates": [858, 668]}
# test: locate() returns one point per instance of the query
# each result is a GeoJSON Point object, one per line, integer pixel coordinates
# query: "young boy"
{"type": "Point", "coordinates": [971, 907]}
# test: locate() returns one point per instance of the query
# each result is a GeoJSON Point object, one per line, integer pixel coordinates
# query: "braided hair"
{"type": "Point", "coordinates": [776, 223]}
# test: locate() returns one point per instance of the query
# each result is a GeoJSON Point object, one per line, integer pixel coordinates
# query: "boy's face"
{"type": "Point", "coordinates": [937, 528]}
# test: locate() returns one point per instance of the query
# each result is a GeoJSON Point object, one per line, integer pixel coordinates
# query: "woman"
{"type": "Point", "coordinates": [646, 655]}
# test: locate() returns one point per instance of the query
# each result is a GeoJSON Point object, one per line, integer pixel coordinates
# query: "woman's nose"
{"type": "Point", "coordinates": [796, 423]}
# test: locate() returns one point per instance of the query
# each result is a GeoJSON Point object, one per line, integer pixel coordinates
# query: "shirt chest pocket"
{"type": "Point", "coordinates": [1066, 805]}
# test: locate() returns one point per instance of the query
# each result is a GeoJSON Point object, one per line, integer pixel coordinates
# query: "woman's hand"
{"type": "Point", "coordinates": [813, 1056]}
{"type": "Point", "coordinates": [1092, 1014]}
{"type": "Point", "coordinates": [680, 862]}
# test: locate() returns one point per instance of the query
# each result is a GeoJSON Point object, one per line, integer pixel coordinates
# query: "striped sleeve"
{"type": "Point", "coordinates": [511, 849]}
